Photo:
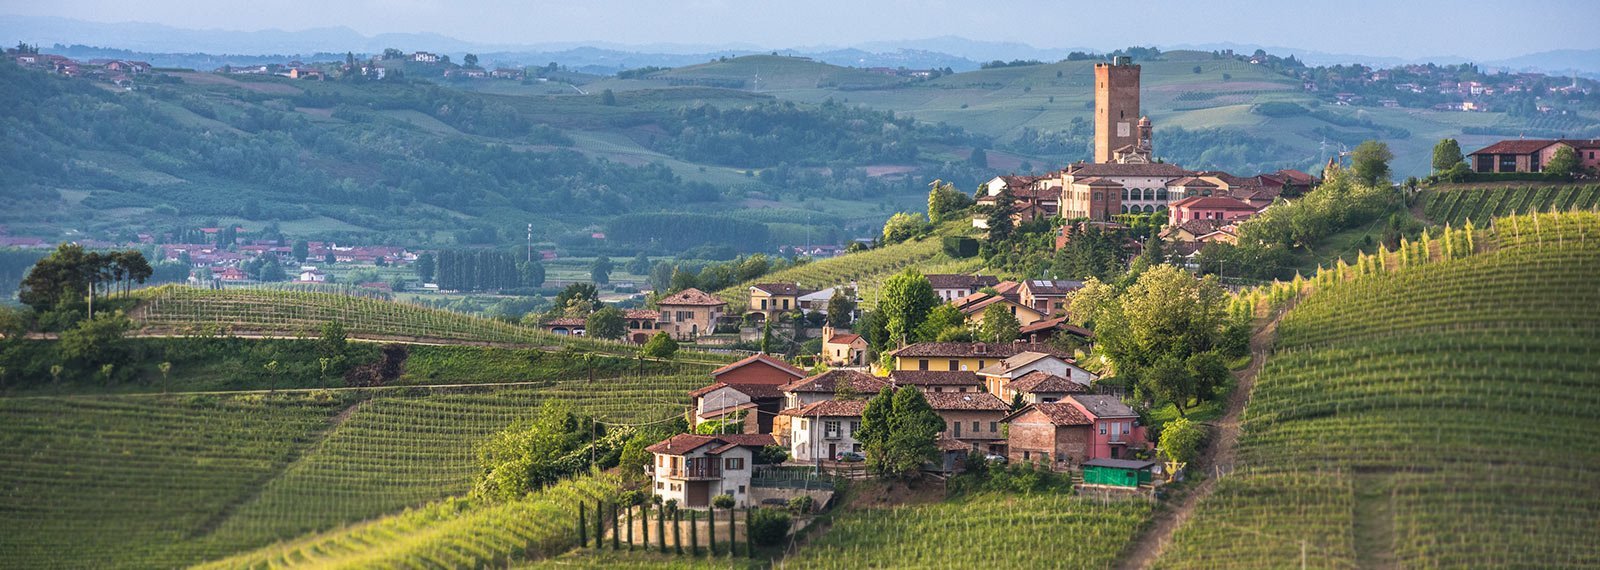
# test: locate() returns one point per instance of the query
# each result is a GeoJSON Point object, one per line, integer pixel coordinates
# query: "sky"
{"type": "Point", "coordinates": [1477, 29]}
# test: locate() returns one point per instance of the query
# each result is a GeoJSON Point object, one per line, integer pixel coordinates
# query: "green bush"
{"type": "Point", "coordinates": [768, 527]}
{"type": "Point", "coordinates": [960, 247]}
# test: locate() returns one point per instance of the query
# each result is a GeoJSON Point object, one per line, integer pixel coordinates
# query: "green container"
{"type": "Point", "coordinates": [1115, 475]}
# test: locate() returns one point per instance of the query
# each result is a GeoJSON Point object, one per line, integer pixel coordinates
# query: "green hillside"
{"type": "Point", "coordinates": [1423, 418]}
{"type": "Point", "coordinates": [168, 481]}
{"type": "Point", "coordinates": [1482, 204]}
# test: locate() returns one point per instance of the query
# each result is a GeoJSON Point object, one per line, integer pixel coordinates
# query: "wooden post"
{"type": "Point", "coordinates": [583, 527]}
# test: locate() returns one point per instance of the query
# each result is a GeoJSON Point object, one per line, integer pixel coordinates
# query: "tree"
{"type": "Point", "coordinates": [913, 429]}
{"type": "Point", "coordinates": [1564, 163]}
{"type": "Point", "coordinates": [607, 323]}
{"type": "Point", "coordinates": [600, 270]}
{"type": "Point", "coordinates": [585, 293]}
{"type": "Point", "coordinates": [531, 273]}
{"type": "Point", "coordinates": [63, 275]}
{"type": "Point", "coordinates": [901, 227]}
{"type": "Point", "coordinates": [328, 259]}
{"type": "Point", "coordinates": [940, 319]}
{"type": "Point", "coordinates": [766, 337]}
{"type": "Point", "coordinates": [767, 527]}
{"type": "Point", "coordinates": [999, 216]}
{"type": "Point", "coordinates": [426, 266]}
{"type": "Point", "coordinates": [875, 420]}
{"type": "Point", "coordinates": [1152, 331]}
{"type": "Point", "coordinates": [332, 344]}
{"type": "Point", "coordinates": [302, 250]}
{"type": "Point", "coordinates": [1181, 440]}
{"type": "Point", "coordinates": [999, 325]}
{"type": "Point", "coordinates": [1370, 161]}
{"type": "Point", "coordinates": [944, 201]}
{"type": "Point", "coordinates": [640, 265]}
{"type": "Point", "coordinates": [1446, 155]}
{"type": "Point", "coordinates": [841, 307]}
{"type": "Point", "coordinates": [470, 60]}
{"type": "Point", "coordinates": [608, 98]}
{"type": "Point", "coordinates": [906, 299]}
{"type": "Point", "coordinates": [96, 342]}
{"type": "Point", "coordinates": [978, 158]}
{"type": "Point", "coordinates": [662, 345]}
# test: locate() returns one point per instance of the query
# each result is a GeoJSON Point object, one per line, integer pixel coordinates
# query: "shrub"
{"type": "Point", "coordinates": [661, 346]}
{"type": "Point", "coordinates": [768, 527]}
{"type": "Point", "coordinates": [723, 501]}
{"type": "Point", "coordinates": [802, 504]}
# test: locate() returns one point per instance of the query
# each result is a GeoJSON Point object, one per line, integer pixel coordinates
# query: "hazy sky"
{"type": "Point", "coordinates": [1479, 29]}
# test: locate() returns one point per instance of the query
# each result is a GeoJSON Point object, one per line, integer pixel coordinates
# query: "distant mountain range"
{"type": "Point", "coordinates": [170, 46]}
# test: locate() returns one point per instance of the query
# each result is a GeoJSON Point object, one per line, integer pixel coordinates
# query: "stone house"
{"type": "Point", "coordinates": [691, 312]}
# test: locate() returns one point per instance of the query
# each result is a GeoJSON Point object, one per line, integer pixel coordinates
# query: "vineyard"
{"type": "Point", "coordinates": [1424, 417]}
{"type": "Point", "coordinates": [866, 269]}
{"type": "Point", "coordinates": [158, 481]}
{"type": "Point", "coordinates": [1050, 530]}
{"type": "Point", "coordinates": [187, 310]}
{"type": "Point", "coordinates": [1456, 206]}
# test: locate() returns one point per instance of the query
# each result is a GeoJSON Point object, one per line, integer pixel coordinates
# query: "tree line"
{"type": "Point", "coordinates": [481, 270]}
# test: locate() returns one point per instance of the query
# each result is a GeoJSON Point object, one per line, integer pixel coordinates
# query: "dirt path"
{"type": "Point", "coordinates": [1217, 460]}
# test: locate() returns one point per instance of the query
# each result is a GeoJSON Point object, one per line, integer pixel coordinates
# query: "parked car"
{"type": "Point", "coordinates": [850, 457]}
{"type": "Point", "coordinates": [995, 458]}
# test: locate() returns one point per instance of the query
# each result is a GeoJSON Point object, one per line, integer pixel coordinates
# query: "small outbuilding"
{"type": "Point", "coordinates": [1127, 473]}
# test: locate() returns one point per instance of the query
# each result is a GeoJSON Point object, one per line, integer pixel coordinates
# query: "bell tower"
{"type": "Point", "coordinates": [1116, 107]}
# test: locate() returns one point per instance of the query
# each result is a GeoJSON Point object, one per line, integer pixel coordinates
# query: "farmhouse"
{"type": "Point", "coordinates": [1055, 435]}
{"type": "Point", "coordinates": [1047, 329]}
{"type": "Point", "coordinates": [972, 356]}
{"type": "Point", "coordinates": [754, 405]}
{"type": "Point", "coordinates": [1531, 155]}
{"type": "Point", "coordinates": [998, 377]}
{"type": "Point", "coordinates": [644, 323]}
{"type": "Point", "coordinates": [827, 385]}
{"type": "Point", "coordinates": [975, 304]}
{"type": "Point", "coordinates": [949, 287]}
{"type": "Point", "coordinates": [843, 348]}
{"type": "Point", "coordinates": [573, 326]}
{"type": "Point", "coordinates": [1209, 208]}
{"type": "Point", "coordinates": [1047, 296]}
{"type": "Point", "coordinates": [772, 299]}
{"type": "Point", "coordinates": [822, 430]}
{"type": "Point", "coordinates": [1040, 387]}
{"type": "Point", "coordinates": [758, 369]}
{"type": "Point", "coordinates": [1116, 426]}
{"type": "Point", "coordinates": [694, 468]}
{"type": "Point", "coordinates": [692, 313]}
{"type": "Point", "coordinates": [973, 418]}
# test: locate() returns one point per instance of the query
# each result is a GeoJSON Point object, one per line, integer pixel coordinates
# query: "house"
{"type": "Point", "coordinates": [773, 299]}
{"type": "Point", "coordinates": [975, 304]}
{"type": "Point", "coordinates": [229, 274]}
{"type": "Point", "coordinates": [644, 323]}
{"type": "Point", "coordinates": [973, 418]}
{"type": "Point", "coordinates": [573, 326]}
{"type": "Point", "coordinates": [950, 287]}
{"type": "Point", "coordinates": [1190, 231]}
{"type": "Point", "coordinates": [843, 348]}
{"type": "Point", "coordinates": [1095, 190]}
{"type": "Point", "coordinates": [1055, 435]}
{"type": "Point", "coordinates": [692, 313]}
{"type": "Point", "coordinates": [1209, 208]}
{"type": "Point", "coordinates": [757, 404]}
{"type": "Point", "coordinates": [930, 381]}
{"type": "Point", "coordinates": [692, 469]}
{"type": "Point", "coordinates": [425, 57]}
{"type": "Point", "coordinates": [827, 385]}
{"type": "Point", "coordinates": [312, 276]}
{"type": "Point", "coordinates": [1047, 296]}
{"type": "Point", "coordinates": [1126, 473]}
{"type": "Point", "coordinates": [817, 301]}
{"type": "Point", "coordinates": [1031, 197]}
{"type": "Point", "coordinates": [998, 377]}
{"type": "Point", "coordinates": [822, 430]}
{"type": "Point", "coordinates": [1531, 155]}
{"type": "Point", "coordinates": [1043, 331]}
{"type": "Point", "coordinates": [1115, 426]}
{"type": "Point", "coordinates": [951, 356]}
{"type": "Point", "coordinates": [1040, 387]}
{"type": "Point", "coordinates": [758, 369]}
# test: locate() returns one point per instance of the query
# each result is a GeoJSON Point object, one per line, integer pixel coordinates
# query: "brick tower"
{"type": "Point", "coordinates": [1116, 107]}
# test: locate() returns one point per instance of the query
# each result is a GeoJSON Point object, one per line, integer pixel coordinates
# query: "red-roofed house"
{"type": "Point", "coordinates": [693, 468]}
{"type": "Point", "coordinates": [825, 386]}
{"type": "Point", "coordinates": [999, 377]}
{"type": "Point", "coordinates": [1209, 208]}
{"type": "Point", "coordinates": [973, 418]}
{"type": "Point", "coordinates": [756, 404]}
{"type": "Point", "coordinates": [1530, 155]}
{"type": "Point", "coordinates": [843, 348]}
{"type": "Point", "coordinates": [1056, 435]}
{"type": "Point", "coordinates": [823, 430]}
{"type": "Point", "coordinates": [644, 323]}
{"type": "Point", "coordinates": [758, 369]}
{"type": "Point", "coordinates": [692, 312]}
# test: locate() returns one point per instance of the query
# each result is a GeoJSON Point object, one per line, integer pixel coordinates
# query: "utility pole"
{"type": "Point", "coordinates": [530, 243]}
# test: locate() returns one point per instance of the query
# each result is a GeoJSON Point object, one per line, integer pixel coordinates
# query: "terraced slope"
{"type": "Point", "coordinates": [1455, 206]}
{"type": "Point", "coordinates": [167, 481]}
{"type": "Point", "coordinates": [1429, 417]}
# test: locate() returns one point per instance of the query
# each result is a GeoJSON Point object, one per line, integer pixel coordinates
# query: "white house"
{"type": "Point", "coordinates": [312, 276]}
{"type": "Point", "coordinates": [823, 430]}
{"type": "Point", "coordinates": [998, 377]}
{"type": "Point", "coordinates": [694, 468]}
{"type": "Point", "coordinates": [720, 401]}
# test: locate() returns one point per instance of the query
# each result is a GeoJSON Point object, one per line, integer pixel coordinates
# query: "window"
{"type": "Point", "coordinates": [785, 304]}
{"type": "Point", "coordinates": [856, 447]}
{"type": "Point", "coordinates": [763, 303]}
{"type": "Point", "coordinates": [733, 463]}
{"type": "Point", "coordinates": [660, 485]}
{"type": "Point", "coordinates": [661, 461]}
{"type": "Point", "coordinates": [954, 365]}
{"type": "Point", "coordinates": [994, 427]}
{"type": "Point", "coordinates": [1102, 429]}
{"type": "Point", "coordinates": [805, 424]}
{"type": "Point", "coordinates": [980, 365]}
{"type": "Point", "coordinates": [831, 427]}
{"type": "Point", "coordinates": [741, 489]}
{"type": "Point", "coordinates": [1025, 456]}
{"type": "Point", "coordinates": [974, 426]}
{"type": "Point", "coordinates": [855, 427]}
{"type": "Point", "coordinates": [677, 486]}
{"type": "Point", "coordinates": [922, 364]}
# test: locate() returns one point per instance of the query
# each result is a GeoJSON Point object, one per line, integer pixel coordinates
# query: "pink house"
{"type": "Point", "coordinates": [1208, 208]}
{"type": "Point", "coordinates": [1114, 427]}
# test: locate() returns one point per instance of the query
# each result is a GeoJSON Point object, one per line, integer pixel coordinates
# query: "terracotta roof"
{"type": "Point", "coordinates": [1041, 381]}
{"type": "Point", "coordinates": [1213, 203]}
{"type": "Point", "coordinates": [957, 281]}
{"type": "Point", "coordinates": [1052, 287]}
{"type": "Point", "coordinates": [965, 401]}
{"type": "Point", "coordinates": [981, 303]}
{"type": "Point", "coordinates": [972, 350]}
{"type": "Point", "coordinates": [687, 442]}
{"type": "Point", "coordinates": [1297, 176]}
{"type": "Point", "coordinates": [764, 359]}
{"type": "Point", "coordinates": [1005, 287]}
{"type": "Point", "coordinates": [1520, 146]}
{"type": "Point", "coordinates": [861, 382]}
{"type": "Point", "coordinates": [844, 338]}
{"type": "Point", "coordinates": [566, 322]}
{"type": "Point", "coordinates": [641, 314]}
{"type": "Point", "coordinates": [1201, 227]}
{"type": "Point", "coordinates": [755, 391]}
{"type": "Point", "coordinates": [1097, 181]}
{"type": "Point", "coordinates": [935, 378]}
{"type": "Point", "coordinates": [1016, 361]}
{"type": "Point", "coordinates": [780, 288]}
{"type": "Point", "coordinates": [835, 408]}
{"type": "Point", "coordinates": [1116, 169]}
{"type": "Point", "coordinates": [1058, 323]}
{"type": "Point", "coordinates": [947, 444]}
{"type": "Point", "coordinates": [1103, 406]}
{"type": "Point", "coordinates": [1191, 181]}
{"type": "Point", "coordinates": [692, 296]}
{"type": "Point", "coordinates": [1061, 414]}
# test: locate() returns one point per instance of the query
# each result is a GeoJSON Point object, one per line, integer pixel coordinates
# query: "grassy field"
{"type": "Point", "coordinates": [172, 480]}
{"type": "Point", "coordinates": [1421, 418]}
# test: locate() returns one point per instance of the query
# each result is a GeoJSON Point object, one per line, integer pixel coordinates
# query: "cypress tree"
{"type": "Point", "coordinates": [630, 529]}
{"type": "Point", "coordinates": [661, 529]}
{"type": "Point", "coordinates": [749, 545]}
{"type": "Point", "coordinates": [677, 532]}
{"type": "Point", "coordinates": [694, 533]}
{"type": "Point", "coordinates": [599, 526]}
{"type": "Point", "coordinates": [711, 530]}
{"type": "Point", "coordinates": [583, 527]}
{"type": "Point", "coordinates": [616, 530]}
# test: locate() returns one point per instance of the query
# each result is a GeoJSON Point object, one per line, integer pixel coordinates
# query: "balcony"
{"type": "Point", "coordinates": [692, 472]}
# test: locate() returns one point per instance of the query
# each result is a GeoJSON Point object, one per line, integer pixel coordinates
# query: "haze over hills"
{"type": "Point", "coordinates": [958, 53]}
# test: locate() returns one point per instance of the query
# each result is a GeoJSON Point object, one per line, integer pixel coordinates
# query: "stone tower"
{"type": "Point", "coordinates": [1116, 107]}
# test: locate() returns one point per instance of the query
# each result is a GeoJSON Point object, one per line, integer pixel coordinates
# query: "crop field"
{"type": "Point", "coordinates": [302, 314]}
{"type": "Point", "coordinates": [1457, 205]}
{"type": "Point", "coordinates": [165, 481]}
{"type": "Point", "coordinates": [866, 269]}
{"type": "Point", "coordinates": [985, 531]}
{"type": "Point", "coordinates": [1423, 418]}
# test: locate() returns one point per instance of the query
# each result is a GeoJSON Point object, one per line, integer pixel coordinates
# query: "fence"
{"type": "Point", "coordinates": [778, 476]}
